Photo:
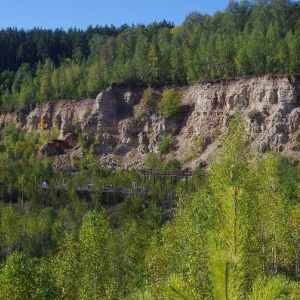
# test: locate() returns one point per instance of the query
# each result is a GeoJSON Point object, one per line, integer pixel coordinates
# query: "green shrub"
{"type": "Point", "coordinates": [172, 165]}
{"type": "Point", "coordinates": [48, 135]}
{"type": "Point", "coordinates": [170, 103]}
{"type": "Point", "coordinates": [82, 139]}
{"type": "Point", "coordinates": [153, 161]}
{"type": "Point", "coordinates": [88, 112]}
{"type": "Point", "coordinates": [148, 100]}
{"type": "Point", "coordinates": [297, 142]}
{"type": "Point", "coordinates": [253, 114]}
{"type": "Point", "coordinates": [165, 144]}
{"type": "Point", "coordinates": [196, 148]}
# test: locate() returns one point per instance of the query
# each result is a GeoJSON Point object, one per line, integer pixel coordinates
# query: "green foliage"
{"type": "Point", "coordinates": [153, 161]}
{"type": "Point", "coordinates": [88, 112]}
{"type": "Point", "coordinates": [172, 165]}
{"type": "Point", "coordinates": [180, 248]}
{"type": "Point", "coordinates": [23, 278]}
{"type": "Point", "coordinates": [227, 182]}
{"type": "Point", "coordinates": [297, 142]}
{"type": "Point", "coordinates": [235, 236]}
{"type": "Point", "coordinates": [148, 101]}
{"type": "Point", "coordinates": [170, 103]}
{"type": "Point", "coordinates": [82, 140]}
{"type": "Point", "coordinates": [277, 287]}
{"type": "Point", "coordinates": [152, 63]}
{"type": "Point", "coordinates": [96, 277]}
{"type": "Point", "coordinates": [165, 144]}
{"type": "Point", "coordinates": [196, 148]}
{"type": "Point", "coordinates": [253, 114]}
{"type": "Point", "coordinates": [47, 135]}
{"type": "Point", "coordinates": [177, 289]}
{"type": "Point", "coordinates": [247, 38]}
{"type": "Point", "coordinates": [231, 232]}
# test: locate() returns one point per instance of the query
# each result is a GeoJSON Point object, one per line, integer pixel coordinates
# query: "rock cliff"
{"type": "Point", "coordinates": [123, 133]}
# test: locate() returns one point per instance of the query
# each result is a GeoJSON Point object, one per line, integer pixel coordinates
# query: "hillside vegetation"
{"type": "Point", "coordinates": [75, 230]}
{"type": "Point", "coordinates": [230, 233]}
{"type": "Point", "coordinates": [248, 38]}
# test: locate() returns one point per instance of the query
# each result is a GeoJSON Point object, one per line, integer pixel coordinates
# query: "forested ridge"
{"type": "Point", "coordinates": [231, 231]}
{"type": "Point", "coordinates": [247, 38]}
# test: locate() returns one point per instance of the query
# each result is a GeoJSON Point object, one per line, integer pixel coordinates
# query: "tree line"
{"type": "Point", "coordinates": [247, 38]}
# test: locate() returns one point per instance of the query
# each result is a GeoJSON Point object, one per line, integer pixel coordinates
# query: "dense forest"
{"type": "Point", "coordinates": [231, 231]}
{"type": "Point", "coordinates": [248, 38]}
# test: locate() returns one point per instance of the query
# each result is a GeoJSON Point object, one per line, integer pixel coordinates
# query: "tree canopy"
{"type": "Point", "coordinates": [247, 38]}
{"type": "Point", "coordinates": [231, 232]}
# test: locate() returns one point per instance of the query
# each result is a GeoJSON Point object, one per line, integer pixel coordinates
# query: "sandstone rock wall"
{"type": "Point", "coordinates": [270, 106]}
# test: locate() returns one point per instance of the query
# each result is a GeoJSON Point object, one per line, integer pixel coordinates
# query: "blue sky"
{"type": "Point", "coordinates": [51, 14]}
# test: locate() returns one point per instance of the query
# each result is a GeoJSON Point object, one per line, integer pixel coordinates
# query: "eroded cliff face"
{"type": "Point", "coordinates": [270, 107]}
{"type": "Point", "coordinates": [123, 133]}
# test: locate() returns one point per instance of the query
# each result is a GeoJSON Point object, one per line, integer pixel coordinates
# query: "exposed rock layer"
{"type": "Point", "coordinates": [115, 122]}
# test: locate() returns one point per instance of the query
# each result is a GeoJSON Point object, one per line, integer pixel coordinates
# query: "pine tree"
{"type": "Point", "coordinates": [227, 180]}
